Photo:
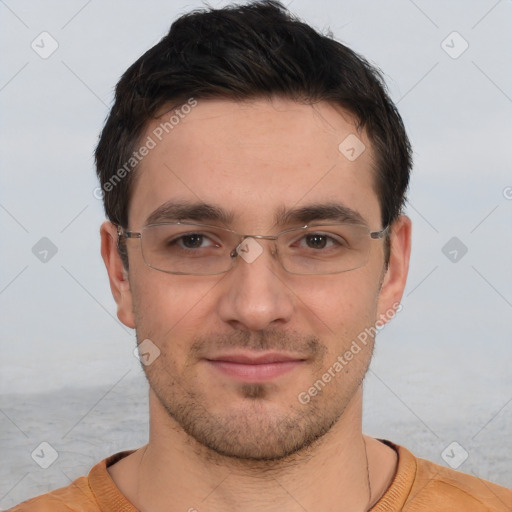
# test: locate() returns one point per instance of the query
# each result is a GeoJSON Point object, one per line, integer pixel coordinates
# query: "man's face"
{"type": "Point", "coordinates": [254, 159]}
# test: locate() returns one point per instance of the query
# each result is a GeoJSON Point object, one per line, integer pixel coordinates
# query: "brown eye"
{"type": "Point", "coordinates": [316, 241]}
{"type": "Point", "coordinates": [193, 241]}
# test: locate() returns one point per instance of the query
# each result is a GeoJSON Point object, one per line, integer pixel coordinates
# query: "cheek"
{"type": "Point", "coordinates": [340, 303]}
{"type": "Point", "coordinates": [347, 319]}
{"type": "Point", "coordinates": [170, 309]}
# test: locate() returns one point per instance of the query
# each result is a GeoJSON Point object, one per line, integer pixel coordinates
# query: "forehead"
{"type": "Point", "coordinates": [254, 159]}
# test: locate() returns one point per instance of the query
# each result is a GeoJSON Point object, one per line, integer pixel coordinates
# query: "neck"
{"type": "Point", "coordinates": [343, 471]}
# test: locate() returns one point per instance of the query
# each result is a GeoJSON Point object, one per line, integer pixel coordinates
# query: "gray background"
{"type": "Point", "coordinates": [441, 372]}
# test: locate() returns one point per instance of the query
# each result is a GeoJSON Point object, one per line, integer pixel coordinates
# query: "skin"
{"type": "Point", "coordinates": [218, 444]}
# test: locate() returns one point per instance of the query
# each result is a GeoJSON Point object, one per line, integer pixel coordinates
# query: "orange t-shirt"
{"type": "Point", "coordinates": [418, 486]}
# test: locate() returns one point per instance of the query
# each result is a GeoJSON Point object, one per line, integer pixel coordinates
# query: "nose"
{"type": "Point", "coordinates": [253, 295]}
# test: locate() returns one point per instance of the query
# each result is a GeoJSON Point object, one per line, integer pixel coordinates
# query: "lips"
{"type": "Point", "coordinates": [255, 367]}
{"type": "Point", "coordinates": [240, 358]}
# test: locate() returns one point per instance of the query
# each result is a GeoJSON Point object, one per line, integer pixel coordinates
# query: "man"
{"type": "Point", "coordinates": [254, 173]}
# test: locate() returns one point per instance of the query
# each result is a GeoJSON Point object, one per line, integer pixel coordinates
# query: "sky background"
{"type": "Point", "coordinates": [447, 355]}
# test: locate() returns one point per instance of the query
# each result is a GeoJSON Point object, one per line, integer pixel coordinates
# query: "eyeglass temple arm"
{"type": "Point", "coordinates": [123, 233]}
{"type": "Point", "coordinates": [379, 234]}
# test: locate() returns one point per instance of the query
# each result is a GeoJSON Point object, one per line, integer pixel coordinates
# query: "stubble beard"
{"type": "Point", "coordinates": [258, 433]}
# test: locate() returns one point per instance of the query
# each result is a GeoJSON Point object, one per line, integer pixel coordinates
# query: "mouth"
{"type": "Point", "coordinates": [255, 367]}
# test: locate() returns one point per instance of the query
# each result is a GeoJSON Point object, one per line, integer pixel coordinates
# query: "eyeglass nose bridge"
{"type": "Point", "coordinates": [234, 252]}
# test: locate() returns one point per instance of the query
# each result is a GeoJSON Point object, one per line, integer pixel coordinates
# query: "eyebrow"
{"type": "Point", "coordinates": [203, 212]}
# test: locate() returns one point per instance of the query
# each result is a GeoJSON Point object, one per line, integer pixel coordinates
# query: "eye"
{"type": "Point", "coordinates": [316, 241]}
{"type": "Point", "coordinates": [320, 241]}
{"type": "Point", "coordinates": [192, 241]}
{"type": "Point", "coordinates": [195, 241]}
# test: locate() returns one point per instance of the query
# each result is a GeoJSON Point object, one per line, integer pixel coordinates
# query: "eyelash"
{"type": "Point", "coordinates": [330, 238]}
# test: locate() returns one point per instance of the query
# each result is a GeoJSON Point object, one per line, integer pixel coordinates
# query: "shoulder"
{"type": "Point", "coordinates": [442, 489]}
{"type": "Point", "coordinates": [76, 497]}
{"type": "Point", "coordinates": [93, 493]}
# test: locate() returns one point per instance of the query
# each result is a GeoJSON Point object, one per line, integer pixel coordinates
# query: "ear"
{"type": "Point", "coordinates": [395, 277]}
{"type": "Point", "coordinates": [117, 274]}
